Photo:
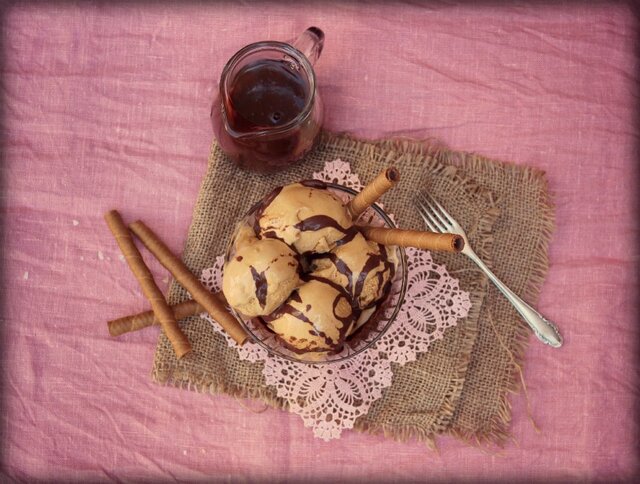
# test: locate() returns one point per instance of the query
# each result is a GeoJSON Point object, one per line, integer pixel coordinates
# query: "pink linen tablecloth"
{"type": "Point", "coordinates": [107, 106]}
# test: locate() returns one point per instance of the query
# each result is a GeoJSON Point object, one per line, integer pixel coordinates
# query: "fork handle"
{"type": "Point", "coordinates": [544, 329]}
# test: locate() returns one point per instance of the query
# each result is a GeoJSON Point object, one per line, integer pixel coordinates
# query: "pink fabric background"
{"type": "Point", "coordinates": [107, 106]}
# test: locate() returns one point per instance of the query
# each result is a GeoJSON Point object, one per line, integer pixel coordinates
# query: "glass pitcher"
{"type": "Point", "coordinates": [267, 113]}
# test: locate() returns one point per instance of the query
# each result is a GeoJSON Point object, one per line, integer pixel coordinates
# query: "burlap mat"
{"type": "Point", "coordinates": [461, 385]}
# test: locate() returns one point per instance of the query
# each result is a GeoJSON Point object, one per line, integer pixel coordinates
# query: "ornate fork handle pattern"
{"type": "Point", "coordinates": [544, 329]}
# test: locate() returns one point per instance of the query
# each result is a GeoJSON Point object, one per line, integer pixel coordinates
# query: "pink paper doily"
{"type": "Point", "coordinates": [329, 398]}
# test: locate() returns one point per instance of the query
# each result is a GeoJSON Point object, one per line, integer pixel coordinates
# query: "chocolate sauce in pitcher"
{"type": "Point", "coordinates": [268, 117]}
{"type": "Point", "coordinates": [268, 111]}
{"type": "Point", "coordinates": [266, 94]}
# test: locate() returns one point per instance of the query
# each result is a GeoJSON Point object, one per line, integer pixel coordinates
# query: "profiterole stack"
{"type": "Point", "coordinates": [301, 265]}
{"type": "Point", "coordinates": [301, 262]}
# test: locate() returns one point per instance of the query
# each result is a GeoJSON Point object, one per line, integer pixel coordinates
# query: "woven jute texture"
{"type": "Point", "coordinates": [461, 385]}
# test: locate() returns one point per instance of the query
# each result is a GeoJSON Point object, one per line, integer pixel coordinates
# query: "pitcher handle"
{"type": "Point", "coordinates": [310, 43]}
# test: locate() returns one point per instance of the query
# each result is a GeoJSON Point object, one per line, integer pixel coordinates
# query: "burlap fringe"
{"type": "Point", "coordinates": [404, 434]}
{"type": "Point", "coordinates": [431, 154]}
{"type": "Point", "coordinates": [498, 432]}
{"type": "Point", "coordinates": [166, 376]}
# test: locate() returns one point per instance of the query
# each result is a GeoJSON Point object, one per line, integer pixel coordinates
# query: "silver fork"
{"type": "Point", "coordinates": [438, 219]}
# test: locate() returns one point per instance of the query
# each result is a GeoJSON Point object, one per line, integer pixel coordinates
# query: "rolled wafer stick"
{"type": "Point", "coordinates": [373, 191]}
{"type": "Point", "coordinates": [135, 322]}
{"type": "Point", "coordinates": [138, 321]}
{"type": "Point", "coordinates": [183, 275]}
{"type": "Point", "coordinates": [414, 238]}
{"type": "Point", "coordinates": [151, 291]}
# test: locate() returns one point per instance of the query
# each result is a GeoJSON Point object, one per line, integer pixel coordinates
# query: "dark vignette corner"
{"type": "Point", "coordinates": [635, 7]}
{"type": "Point", "coordinates": [5, 6]}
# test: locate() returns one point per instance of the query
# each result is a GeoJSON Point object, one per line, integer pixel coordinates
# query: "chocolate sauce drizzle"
{"type": "Point", "coordinates": [314, 223]}
{"type": "Point", "coordinates": [347, 321]}
{"type": "Point", "coordinates": [350, 234]}
{"type": "Point", "coordinates": [260, 280]}
{"type": "Point", "coordinates": [319, 222]}
{"type": "Point", "coordinates": [373, 261]}
{"type": "Point", "coordinates": [314, 184]}
{"type": "Point", "coordinates": [354, 288]}
{"type": "Point", "coordinates": [383, 287]}
{"type": "Point", "coordinates": [258, 209]}
{"type": "Point", "coordinates": [288, 308]}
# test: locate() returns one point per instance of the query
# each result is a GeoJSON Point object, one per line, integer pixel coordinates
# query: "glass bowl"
{"type": "Point", "coordinates": [365, 337]}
